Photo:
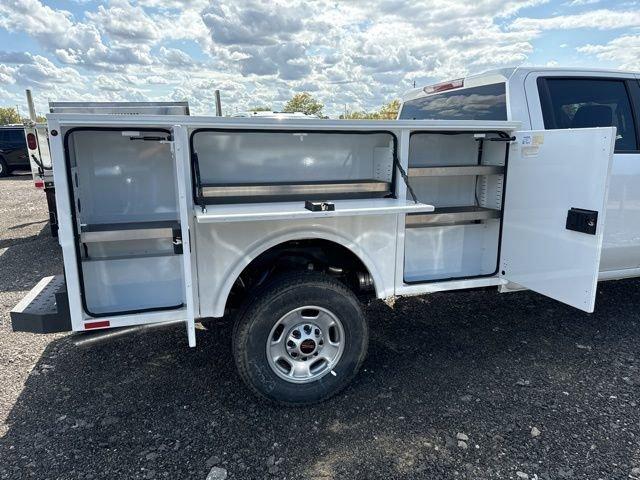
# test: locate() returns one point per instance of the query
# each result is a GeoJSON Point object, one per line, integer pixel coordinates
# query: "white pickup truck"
{"type": "Point", "coordinates": [285, 225]}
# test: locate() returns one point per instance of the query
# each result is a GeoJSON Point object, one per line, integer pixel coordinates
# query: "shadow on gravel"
{"type": "Point", "coordinates": [22, 225]}
{"type": "Point", "coordinates": [27, 259]}
{"type": "Point", "coordinates": [487, 365]}
{"type": "Point", "coordinates": [10, 242]}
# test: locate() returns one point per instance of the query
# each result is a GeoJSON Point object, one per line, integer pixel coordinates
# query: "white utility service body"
{"type": "Point", "coordinates": [168, 219]}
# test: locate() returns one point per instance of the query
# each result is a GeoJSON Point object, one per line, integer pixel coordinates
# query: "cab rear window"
{"type": "Point", "coordinates": [486, 102]}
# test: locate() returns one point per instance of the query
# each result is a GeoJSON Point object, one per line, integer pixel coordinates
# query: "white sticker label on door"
{"type": "Point", "coordinates": [530, 144]}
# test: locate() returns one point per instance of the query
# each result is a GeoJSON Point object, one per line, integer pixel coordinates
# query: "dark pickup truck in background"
{"type": "Point", "coordinates": [13, 150]}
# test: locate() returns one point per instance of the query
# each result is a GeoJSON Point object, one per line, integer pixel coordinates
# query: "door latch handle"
{"type": "Point", "coordinates": [177, 241]}
{"type": "Point", "coordinates": [583, 221]}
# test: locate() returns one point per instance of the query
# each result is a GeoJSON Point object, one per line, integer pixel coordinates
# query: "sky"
{"type": "Point", "coordinates": [353, 55]}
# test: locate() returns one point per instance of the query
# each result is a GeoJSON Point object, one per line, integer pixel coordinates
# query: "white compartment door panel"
{"type": "Point", "coordinates": [185, 207]}
{"type": "Point", "coordinates": [549, 173]}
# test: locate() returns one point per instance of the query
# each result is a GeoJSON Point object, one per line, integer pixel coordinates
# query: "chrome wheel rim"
{"type": "Point", "coordinates": [305, 344]}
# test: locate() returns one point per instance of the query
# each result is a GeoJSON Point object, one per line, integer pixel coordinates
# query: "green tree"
{"type": "Point", "coordinates": [263, 108]}
{"type": "Point", "coordinates": [305, 103]}
{"type": "Point", "coordinates": [359, 115]}
{"type": "Point", "coordinates": [9, 115]}
{"type": "Point", "coordinates": [388, 111]}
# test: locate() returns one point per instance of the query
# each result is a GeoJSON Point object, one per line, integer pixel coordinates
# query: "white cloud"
{"type": "Point", "coordinates": [578, 3]}
{"type": "Point", "coordinates": [173, 4]}
{"type": "Point", "coordinates": [124, 22]}
{"type": "Point", "coordinates": [156, 80]}
{"type": "Point", "coordinates": [254, 22]}
{"type": "Point", "coordinates": [43, 73]}
{"type": "Point", "coordinates": [596, 19]}
{"type": "Point", "coordinates": [623, 51]}
{"type": "Point", "coordinates": [176, 58]}
{"type": "Point", "coordinates": [77, 43]}
{"type": "Point", "coordinates": [6, 74]}
{"type": "Point", "coordinates": [52, 28]}
{"type": "Point", "coordinates": [15, 57]}
{"type": "Point", "coordinates": [104, 82]}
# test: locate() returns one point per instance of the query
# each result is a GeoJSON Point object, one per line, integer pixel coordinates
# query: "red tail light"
{"type": "Point", "coordinates": [32, 143]}
{"type": "Point", "coordinates": [444, 86]}
{"type": "Point", "coordinates": [39, 183]}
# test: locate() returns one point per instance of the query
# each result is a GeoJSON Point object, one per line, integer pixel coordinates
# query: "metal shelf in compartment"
{"type": "Point", "coordinates": [450, 215]}
{"type": "Point", "coordinates": [456, 170]}
{"type": "Point", "coordinates": [291, 190]}
{"type": "Point", "coordinates": [117, 232]}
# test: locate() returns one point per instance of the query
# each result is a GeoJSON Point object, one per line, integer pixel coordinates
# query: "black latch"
{"type": "Point", "coordinates": [584, 221]}
{"type": "Point", "coordinates": [319, 206]}
{"type": "Point", "coordinates": [501, 139]}
{"type": "Point", "coordinates": [177, 241]}
{"type": "Point", "coordinates": [152, 138]}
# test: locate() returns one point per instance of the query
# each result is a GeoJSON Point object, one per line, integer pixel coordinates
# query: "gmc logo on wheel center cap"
{"type": "Point", "coordinates": [307, 346]}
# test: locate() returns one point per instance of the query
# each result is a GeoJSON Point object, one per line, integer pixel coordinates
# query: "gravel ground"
{"type": "Point", "coordinates": [460, 385]}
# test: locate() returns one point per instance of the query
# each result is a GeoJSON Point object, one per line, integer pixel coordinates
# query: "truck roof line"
{"type": "Point", "coordinates": [508, 72]}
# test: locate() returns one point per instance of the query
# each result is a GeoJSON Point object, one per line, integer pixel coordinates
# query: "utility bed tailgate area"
{"type": "Point", "coordinates": [45, 309]}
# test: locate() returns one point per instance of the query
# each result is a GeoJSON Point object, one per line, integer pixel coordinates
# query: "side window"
{"type": "Point", "coordinates": [584, 103]}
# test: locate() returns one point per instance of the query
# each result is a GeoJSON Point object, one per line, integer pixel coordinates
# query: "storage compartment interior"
{"type": "Point", "coordinates": [133, 283]}
{"type": "Point", "coordinates": [462, 175]}
{"type": "Point", "coordinates": [258, 166]}
{"type": "Point", "coordinates": [126, 220]}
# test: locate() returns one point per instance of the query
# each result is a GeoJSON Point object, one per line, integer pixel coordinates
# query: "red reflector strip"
{"type": "Point", "coordinates": [103, 323]}
{"type": "Point", "coordinates": [39, 184]}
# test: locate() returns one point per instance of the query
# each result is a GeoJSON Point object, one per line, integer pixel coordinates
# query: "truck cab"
{"type": "Point", "coordinates": [559, 98]}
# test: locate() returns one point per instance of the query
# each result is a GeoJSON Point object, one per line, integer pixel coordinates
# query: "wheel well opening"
{"type": "Point", "coordinates": [307, 254]}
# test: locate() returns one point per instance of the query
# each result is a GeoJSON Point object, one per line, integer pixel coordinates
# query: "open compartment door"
{"type": "Point", "coordinates": [554, 212]}
{"type": "Point", "coordinates": [185, 208]}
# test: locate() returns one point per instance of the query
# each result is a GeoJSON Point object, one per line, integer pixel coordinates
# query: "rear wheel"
{"type": "Point", "coordinates": [301, 339]}
{"type": "Point", "coordinates": [4, 169]}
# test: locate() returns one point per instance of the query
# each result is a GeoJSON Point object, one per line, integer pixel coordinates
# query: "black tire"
{"type": "Point", "coordinates": [4, 168]}
{"type": "Point", "coordinates": [261, 313]}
